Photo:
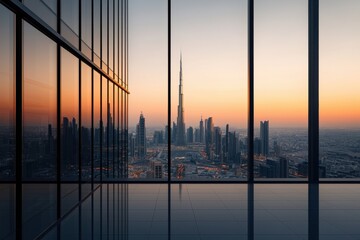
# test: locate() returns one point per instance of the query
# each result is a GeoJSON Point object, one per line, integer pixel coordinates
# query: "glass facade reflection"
{"type": "Point", "coordinates": [7, 94]}
{"type": "Point", "coordinates": [59, 124]}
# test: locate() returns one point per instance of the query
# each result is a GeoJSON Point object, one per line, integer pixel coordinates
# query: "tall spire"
{"type": "Point", "coordinates": [180, 119]}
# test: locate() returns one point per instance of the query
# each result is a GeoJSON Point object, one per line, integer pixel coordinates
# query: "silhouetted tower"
{"type": "Point", "coordinates": [202, 138]}
{"type": "Point", "coordinates": [141, 137]}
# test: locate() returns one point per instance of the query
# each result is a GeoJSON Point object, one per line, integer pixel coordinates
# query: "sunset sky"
{"type": "Point", "coordinates": [212, 36]}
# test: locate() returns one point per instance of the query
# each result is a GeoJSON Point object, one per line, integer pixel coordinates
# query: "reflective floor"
{"type": "Point", "coordinates": [204, 211]}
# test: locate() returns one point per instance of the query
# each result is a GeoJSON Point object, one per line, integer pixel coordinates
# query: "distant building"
{"type": "Point", "coordinates": [202, 132]}
{"type": "Point", "coordinates": [232, 148]}
{"type": "Point", "coordinates": [217, 141]}
{"type": "Point", "coordinates": [257, 146]}
{"type": "Point", "coordinates": [141, 137]}
{"type": "Point", "coordinates": [158, 137]}
{"type": "Point", "coordinates": [190, 135]}
{"type": "Point", "coordinates": [180, 137]}
{"type": "Point", "coordinates": [209, 137]}
{"type": "Point", "coordinates": [197, 135]}
{"type": "Point", "coordinates": [275, 168]}
{"type": "Point", "coordinates": [284, 167]}
{"type": "Point", "coordinates": [264, 137]}
{"type": "Point", "coordinates": [156, 169]}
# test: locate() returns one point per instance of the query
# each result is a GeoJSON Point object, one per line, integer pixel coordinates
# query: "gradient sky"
{"type": "Point", "coordinates": [212, 37]}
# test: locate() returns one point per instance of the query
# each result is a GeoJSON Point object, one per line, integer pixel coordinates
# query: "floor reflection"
{"type": "Point", "coordinates": [215, 211]}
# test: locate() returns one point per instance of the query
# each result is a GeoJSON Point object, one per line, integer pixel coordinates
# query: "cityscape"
{"type": "Point", "coordinates": [208, 151]}
{"type": "Point", "coordinates": [203, 152]}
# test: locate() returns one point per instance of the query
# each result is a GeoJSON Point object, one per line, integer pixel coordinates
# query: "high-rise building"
{"type": "Point", "coordinates": [180, 135]}
{"type": "Point", "coordinates": [209, 137]}
{"type": "Point", "coordinates": [141, 138]}
{"type": "Point", "coordinates": [264, 137]}
{"type": "Point", "coordinates": [190, 135]}
{"type": "Point", "coordinates": [197, 135]}
{"type": "Point", "coordinates": [226, 147]}
{"type": "Point", "coordinates": [202, 138]}
{"type": "Point", "coordinates": [217, 142]}
{"type": "Point", "coordinates": [284, 167]}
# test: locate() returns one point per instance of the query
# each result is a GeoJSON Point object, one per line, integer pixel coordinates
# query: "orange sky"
{"type": "Point", "coordinates": [214, 51]}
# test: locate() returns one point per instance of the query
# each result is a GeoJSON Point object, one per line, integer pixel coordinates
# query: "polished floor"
{"type": "Point", "coordinates": [202, 211]}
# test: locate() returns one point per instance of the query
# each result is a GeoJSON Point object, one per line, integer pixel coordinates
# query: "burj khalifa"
{"type": "Point", "coordinates": [180, 136]}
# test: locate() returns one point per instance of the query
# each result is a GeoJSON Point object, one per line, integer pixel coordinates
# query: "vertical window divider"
{"type": "Point", "coordinates": [169, 119]}
{"type": "Point", "coordinates": [92, 99]}
{"type": "Point", "coordinates": [169, 91]}
{"type": "Point", "coordinates": [79, 109]}
{"type": "Point", "coordinates": [313, 118]}
{"type": "Point", "coordinates": [250, 145]}
{"type": "Point", "coordinates": [19, 125]}
{"type": "Point", "coordinates": [58, 114]}
{"type": "Point", "coordinates": [313, 101]}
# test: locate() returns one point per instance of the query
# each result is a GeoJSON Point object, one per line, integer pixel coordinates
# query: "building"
{"type": "Point", "coordinates": [190, 135]}
{"type": "Point", "coordinates": [156, 169]}
{"type": "Point", "coordinates": [209, 137]}
{"type": "Point", "coordinates": [264, 137]}
{"type": "Point", "coordinates": [180, 130]}
{"type": "Point", "coordinates": [141, 138]}
{"type": "Point", "coordinates": [202, 131]}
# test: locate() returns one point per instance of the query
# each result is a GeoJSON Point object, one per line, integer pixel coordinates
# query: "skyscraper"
{"type": "Point", "coordinates": [209, 137]}
{"type": "Point", "coordinates": [202, 131]}
{"type": "Point", "coordinates": [190, 135]}
{"type": "Point", "coordinates": [264, 137]}
{"type": "Point", "coordinates": [180, 140]}
{"type": "Point", "coordinates": [141, 137]}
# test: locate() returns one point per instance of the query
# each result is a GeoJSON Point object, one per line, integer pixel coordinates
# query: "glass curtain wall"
{"type": "Point", "coordinates": [72, 133]}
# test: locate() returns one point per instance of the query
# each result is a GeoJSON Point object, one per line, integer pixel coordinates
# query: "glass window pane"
{"type": "Point", "coordinates": [86, 27]}
{"type": "Point", "coordinates": [149, 90]}
{"type": "Point", "coordinates": [104, 35]}
{"type": "Point", "coordinates": [69, 130]}
{"type": "Point", "coordinates": [339, 98]}
{"type": "Point", "coordinates": [7, 94]}
{"type": "Point", "coordinates": [281, 89]}
{"type": "Point", "coordinates": [70, 21]}
{"type": "Point", "coordinates": [39, 106]}
{"type": "Point", "coordinates": [116, 131]}
{"type": "Point", "coordinates": [97, 35]}
{"type": "Point", "coordinates": [45, 9]}
{"type": "Point", "coordinates": [209, 90]}
{"type": "Point", "coordinates": [110, 130]}
{"type": "Point", "coordinates": [69, 115]}
{"type": "Point", "coordinates": [104, 120]}
{"type": "Point", "coordinates": [97, 126]}
{"type": "Point", "coordinates": [86, 140]}
{"type": "Point", "coordinates": [38, 208]}
{"type": "Point", "coordinates": [111, 35]}
{"type": "Point", "coordinates": [7, 211]}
